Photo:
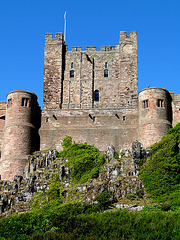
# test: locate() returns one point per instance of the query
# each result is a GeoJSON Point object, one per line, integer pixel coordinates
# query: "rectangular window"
{"type": "Point", "coordinates": [96, 95]}
{"type": "Point", "coordinates": [25, 102]}
{"type": "Point", "coordinates": [160, 103]}
{"type": "Point", "coordinates": [145, 104]}
{"type": "Point", "coordinates": [9, 103]}
{"type": "Point", "coordinates": [71, 73]}
{"type": "Point", "coordinates": [106, 73]}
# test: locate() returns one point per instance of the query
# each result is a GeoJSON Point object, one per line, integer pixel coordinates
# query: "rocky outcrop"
{"type": "Point", "coordinates": [138, 153]}
{"type": "Point", "coordinates": [118, 176]}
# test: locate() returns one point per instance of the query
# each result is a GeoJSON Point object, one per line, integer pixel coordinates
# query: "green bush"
{"type": "Point", "coordinates": [161, 172]}
{"type": "Point", "coordinates": [85, 160]}
{"type": "Point", "coordinates": [70, 222]}
{"type": "Point", "coordinates": [105, 199]}
{"type": "Point", "coordinates": [49, 199]}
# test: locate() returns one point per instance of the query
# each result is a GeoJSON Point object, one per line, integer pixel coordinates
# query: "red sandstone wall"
{"type": "Point", "coordinates": [101, 128]}
{"type": "Point", "coordinates": [53, 67]}
{"type": "Point", "coordinates": [20, 134]}
{"type": "Point", "coordinates": [154, 121]}
{"type": "Point", "coordinates": [2, 119]}
{"type": "Point", "coordinates": [176, 109]}
{"type": "Point", "coordinates": [119, 89]}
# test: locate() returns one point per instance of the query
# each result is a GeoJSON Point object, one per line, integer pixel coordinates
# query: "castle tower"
{"type": "Point", "coordinates": [90, 95]}
{"type": "Point", "coordinates": [20, 134]}
{"type": "Point", "coordinates": [155, 114]}
{"type": "Point", "coordinates": [53, 70]}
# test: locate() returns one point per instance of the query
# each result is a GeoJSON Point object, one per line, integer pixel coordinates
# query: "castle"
{"type": "Point", "coordinates": [90, 95]}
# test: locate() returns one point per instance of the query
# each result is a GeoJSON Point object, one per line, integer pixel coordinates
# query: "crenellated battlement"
{"type": "Point", "coordinates": [94, 49]}
{"type": "Point", "coordinates": [49, 36]}
{"type": "Point", "coordinates": [123, 37]}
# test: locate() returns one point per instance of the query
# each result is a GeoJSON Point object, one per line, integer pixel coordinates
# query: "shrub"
{"type": "Point", "coordinates": [161, 172]}
{"type": "Point", "coordinates": [105, 199]}
{"type": "Point", "coordinates": [49, 199]}
{"type": "Point", "coordinates": [85, 160]}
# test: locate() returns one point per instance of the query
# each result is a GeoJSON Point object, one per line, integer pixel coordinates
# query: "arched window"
{"type": "Point", "coordinates": [105, 64]}
{"type": "Point", "coordinates": [71, 73]}
{"type": "Point", "coordinates": [72, 65]}
{"type": "Point", "coordinates": [96, 95]}
{"type": "Point", "coordinates": [106, 73]}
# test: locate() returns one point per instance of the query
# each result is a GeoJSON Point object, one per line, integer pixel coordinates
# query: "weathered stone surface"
{"type": "Point", "coordinates": [118, 177]}
{"type": "Point", "coordinates": [20, 133]}
{"type": "Point", "coordinates": [110, 154]}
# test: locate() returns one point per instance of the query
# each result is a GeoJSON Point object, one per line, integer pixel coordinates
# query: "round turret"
{"type": "Point", "coordinates": [155, 114]}
{"type": "Point", "coordinates": [20, 134]}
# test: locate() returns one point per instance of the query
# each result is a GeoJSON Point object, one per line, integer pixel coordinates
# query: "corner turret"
{"type": "Point", "coordinates": [20, 134]}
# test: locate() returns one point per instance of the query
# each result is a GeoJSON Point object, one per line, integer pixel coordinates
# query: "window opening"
{"type": "Point", "coordinates": [117, 115]}
{"type": "Point", "coordinates": [94, 119]}
{"type": "Point", "coordinates": [91, 117]}
{"type": "Point", "coordinates": [72, 65]}
{"type": "Point", "coordinates": [124, 118]}
{"type": "Point", "coordinates": [96, 96]}
{"type": "Point", "coordinates": [145, 103]}
{"type": "Point", "coordinates": [9, 103]}
{"type": "Point", "coordinates": [71, 73]}
{"type": "Point", "coordinates": [105, 64]}
{"type": "Point", "coordinates": [160, 103]}
{"type": "Point", "coordinates": [106, 73]}
{"type": "Point", "coordinates": [47, 120]}
{"type": "Point", "coordinates": [54, 116]}
{"type": "Point", "coordinates": [25, 102]}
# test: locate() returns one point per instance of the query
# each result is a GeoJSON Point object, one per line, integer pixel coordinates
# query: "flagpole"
{"type": "Point", "coordinates": [65, 27]}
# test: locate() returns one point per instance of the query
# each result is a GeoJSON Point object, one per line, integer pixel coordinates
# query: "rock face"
{"type": "Point", "coordinates": [138, 153]}
{"type": "Point", "coordinates": [119, 177]}
{"type": "Point", "coordinates": [110, 154]}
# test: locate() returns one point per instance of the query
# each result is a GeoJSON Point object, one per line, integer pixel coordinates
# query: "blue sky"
{"type": "Point", "coordinates": [23, 24]}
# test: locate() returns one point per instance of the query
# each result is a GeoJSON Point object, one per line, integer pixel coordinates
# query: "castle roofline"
{"type": "Point", "coordinates": [22, 91]}
{"type": "Point", "coordinates": [149, 88]}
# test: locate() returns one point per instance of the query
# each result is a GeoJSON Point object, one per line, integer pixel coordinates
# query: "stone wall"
{"type": "Point", "coordinates": [97, 127]}
{"type": "Point", "coordinates": [20, 134]}
{"type": "Point", "coordinates": [53, 70]}
{"type": "Point", "coordinates": [118, 89]}
{"type": "Point", "coordinates": [2, 120]}
{"type": "Point", "coordinates": [176, 109]}
{"type": "Point", "coordinates": [155, 114]}
{"type": "Point", "coordinates": [2, 108]}
{"type": "Point", "coordinates": [71, 79]}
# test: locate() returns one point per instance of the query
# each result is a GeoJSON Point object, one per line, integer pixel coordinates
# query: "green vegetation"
{"type": "Point", "coordinates": [85, 160]}
{"type": "Point", "coordinates": [50, 199]}
{"type": "Point", "coordinates": [105, 199]}
{"type": "Point", "coordinates": [161, 172]}
{"type": "Point", "coordinates": [78, 221]}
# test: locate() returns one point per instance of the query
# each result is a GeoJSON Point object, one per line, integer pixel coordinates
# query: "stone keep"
{"type": "Point", "coordinates": [90, 95]}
